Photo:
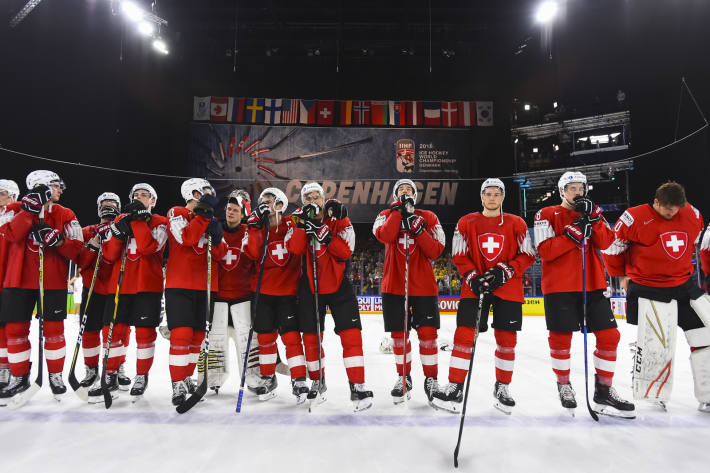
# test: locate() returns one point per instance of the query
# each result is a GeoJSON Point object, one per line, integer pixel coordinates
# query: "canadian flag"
{"type": "Point", "coordinates": [467, 113]}
{"type": "Point", "coordinates": [218, 109]}
{"type": "Point", "coordinates": [449, 114]}
{"type": "Point", "coordinates": [326, 111]}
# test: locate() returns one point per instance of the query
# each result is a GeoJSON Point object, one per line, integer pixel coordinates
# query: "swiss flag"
{"type": "Point", "coordinates": [235, 110]}
{"type": "Point", "coordinates": [449, 114]}
{"type": "Point", "coordinates": [326, 112]}
{"type": "Point", "coordinates": [308, 112]}
{"type": "Point", "coordinates": [218, 109]}
{"type": "Point", "coordinates": [361, 112]}
{"type": "Point", "coordinates": [432, 113]}
{"type": "Point", "coordinates": [346, 112]}
{"type": "Point", "coordinates": [230, 260]}
{"type": "Point", "coordinates": [415, 113]}
{"type": "Point", "coordinates": [674, 243]}
{"type": "Point", "coordinates": [380, 110]}
{"type": "Point", "coordinates": [278, 253]}
{"type": "Point", "coordinates": [467, 113]}
{"type": "Point", "coordinates": [491, 245]}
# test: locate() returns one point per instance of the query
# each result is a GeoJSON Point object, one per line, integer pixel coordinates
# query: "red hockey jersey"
{"type": "Point", "coordinates": [3, 246]}
{"type": "Point", "coordinates": [144, 259]}
{"type": "Point", "coordinates": [187, 262]}
{"type": "Point", "coordinates": [330, 258]}
{"type": "Point", "coordinates": [22, 269]}
{"type": "Point", "coordinates": [423, 250]}
{"type": "Point", "coordinates": [87, 261]}
{"type": "Point", "coordinates": [282, 269]}
{"type": "Point", "coordinates": [654, 251]}
{"type": "Point", "coordinates": [481, 242]}
{"type": "Point", "coordinates": [562, 258]}
{"type": "Point", "coordinates": [235, 268]}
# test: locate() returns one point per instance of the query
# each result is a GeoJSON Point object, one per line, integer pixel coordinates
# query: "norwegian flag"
{"type": "Point", "coordinates": [398, 115]}
{"type": "Point", "coordinates": [326, 112]}
{"type": "Point", "coordinates": [272, 111]}
{"type": "Point", "coordinates": [254, 111]}
{"type": "Point", "coordinates": [289, 110]}
{"type": "Point", "coordinates": [308, 112]}
{"type": "Point", "coordinates": [361, 112]}
{"type": "Point", "coordinates": [379, 113]}
{"type": "Point", "coordinates": [484, 113]}
{"type": "Point", "coordinates": [432, 113]}
{"type": "Point", "coordinates": [467, 113]}
{"type": "Point", "coordinates": [415, 113]}
{"type": "Point", "coordinates": [449, 114]}
{"type": "Point", "coordinates": [218, 109]}
{"type": "Point", "coordinates": [346, 112]}
{"type": "Point", "coordinates": [235, 110]}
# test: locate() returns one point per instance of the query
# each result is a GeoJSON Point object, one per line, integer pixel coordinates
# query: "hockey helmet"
{"type": "Point", "coordinates": [107, 196]}
{"type": "Point", "coordinates": [43, 177]}
{"type": "Point", "coordinates": [195, 184]}
{"type": "Point", "coordinates": [279, 196]}
{"type": "Point", "coordinates": [311, 187]}
{"type": "Point", "coordinates": [10, 187]}
{"type": "Point", "coordinates": [402, 182]}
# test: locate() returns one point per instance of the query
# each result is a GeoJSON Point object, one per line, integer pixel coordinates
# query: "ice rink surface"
{"type": "Point", "coordinates": [277, 435]}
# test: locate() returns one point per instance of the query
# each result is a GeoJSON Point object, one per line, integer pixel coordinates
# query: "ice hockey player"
{"type": "Point", "coordinates": [186, 279]}
{"type": "Point", "coordinates": [402, 229]}
{"type": "Point", "coordinates": [560, 231]}
{"type": "Point", "coordinates": [491, 250]}
{"type": "Point", "coordinates": [324, 227]}
{"type": "Point", "coordinates": [108, 208]}
{"type": "Point", "coordinates": [653, 254]}
{"type": "Point", "coordinates": [37, 220]}
{"type": "Point", "coordinates": [9, 192]}
{"type": "Point", "coordinates": [236, 271]}
{"type": "Point", "coordinates": [276, 308]}
{"type": "Point", "coordinates": [140, 235]}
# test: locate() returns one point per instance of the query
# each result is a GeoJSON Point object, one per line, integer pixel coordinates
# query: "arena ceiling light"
{"type": "Point", "coordinates": [546, 12]}
{"type": "Point", "coordinates": [147, 23]}
{"type": "Point", "coordinates": [160, 46]}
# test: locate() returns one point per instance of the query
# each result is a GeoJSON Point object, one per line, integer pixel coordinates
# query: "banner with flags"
{"type": "Point", "coordinates": [308, 112]}
{"type": "Point", "coordinates": [432, 113]}
{"type": "Point", "coordinates": [449, 114]}
{"type": "Point", "coordinates": [467, 114]}
{"type": "Point", "coordinates": [415, 113]}
{"type": "Point", "coordinates": [379, 112]}
{"type": "Point", "coordinates": [201, 108]}
{"type": "Point", "coordinates": [289, 110]}
{"type": "Point", "coordinates": [326, 112]}
{"type": "Point", "coordinates": [346, 112]}
{"type": "Point", "coordinates": [272, 111]}
{"type": "Point", "coordinates": [218, 109]}
{"type": "Point", "coordinates": [398, 115]}
{"type": "Point", "coordinates": [484, 113]}
{"type": "Point", "coordinates": [254, 110]}
{"type": "Point", "coordinates": [235, 110]}
{"type": "Point", "coordinates": [361, 112]}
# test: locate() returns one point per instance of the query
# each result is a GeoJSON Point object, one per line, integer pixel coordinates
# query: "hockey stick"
{"type": "Point", "coordinates": [268, 149]}
{"type": "Point", "coordinates": [108, 400]}
{"type": "Point", "coordinates": [318, 329]}
{"type": "Point", "coordinates": [201, 390]}
{"type": "Point", "coordinates": [326, 151]}
{"type": "Point", "coordinates": [584, 327]}
{"type": "Point", "coordinates": [406, 315]}
{"type": "Point", "coordinates": [468, 379]}
{"type": "Point", "coordinates": [251, 329]}
{"type": "Point", "coordinates": [83, 393]}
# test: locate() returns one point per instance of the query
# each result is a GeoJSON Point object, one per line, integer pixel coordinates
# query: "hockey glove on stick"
{"type": "Point", "coordinates": [214, 229]}
{"type": "Point", "coordinates": [121, 229]}
{"type": "Point", "coordinates": [103, 231]}
{"type": "Point", "coordinates": [335, 209]}
{"type": "Point", "coordinates": [578, 230]}
{"type": "Point", "coordinates": [318, 230]}
{"type": "Point", "coordinates": [499, 275]}
{"type": "Point", "coordinates": [477, 282]}
{"type": "Point", "coordinates": [137, 210]}
{"type": "Point", "coordinates": [46, 235]}
{"type": "Point", "coordinates": [36, 198]}
{"type": "Point", "coordinates": [205, 206]}
{"type": "Point", "coordinates": [414, 224]}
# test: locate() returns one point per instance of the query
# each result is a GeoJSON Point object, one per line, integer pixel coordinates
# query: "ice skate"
{"type": "Point", "coordinates": [609, 403]}
{"type": "Point", "coordinates": [252, 378]}
{"type": "Point", "coordinates": [281, 367]}
{"type": "Point", "coordinates": [431, 387]}
{"type": "Point", "coordinates": [96, 394]}
{"type": "Point", "coordinates": [386, 345]}
{"type": "Point", "coordinates": [140, 383]}
{"type": "Point", "coordinates": [56, 384]}
{"type": "Point", "coordinates": [704, 407]}
{"type": "Point", "coordinates": [4, 378]}
{"type": "Point", "coordinates": [299, 389]}
{"type": "Point", "coordinates": [567, 399]}
{"type": "Point", "coordinates": [17, 385]}
{"type": "Point", "coordinates": [267, 388]}
{"type": "Point", "coordinates": [361, 398]}
{"type": "Point", "coordinates": [398, 391]}
{"type": "Point", "coordinates": [179, 392]}
{"type": "Point", "coordinates": [450, 398]}
{"type": "Point", "coordinates": [164, 331]}
{"type": "Point", "coordinates": [504, 402]}
{"type": "Point", "coordinates": [124, 382]}
{"type": "Point", "coordinates": [316, 395]}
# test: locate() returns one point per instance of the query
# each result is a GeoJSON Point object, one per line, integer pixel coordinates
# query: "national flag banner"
{"type": "Point", "coordinates": [308, 112]}
{"type": "Point", "coordinates": [235, 109]}
{"type": "Point", "coordinates": [467, 113]}
{"type": "Point", "coordinates": [326, 112]}
{"type": "Point", "coordinates": [432, 113]}
{"type": "Point", "coordinates": [254, 110]}
{"type": "Point", "coordinates": [379, 112]}
{"type": "Point", "coordinates": [484, 113]}
{"type": "Point", "coordinates": [449, 114]}
{"type": "Point", "coordinates": [289, 110]}
{"type": "Point", "coordinates": [201, 108]}
{"type": "Point", "coordinates": [397, 113]}
{"type": "Point", "coordinates": [272, 111]}
{"type": "Point", "coordinates": [361, 112]}
{"type": "Point", "coordinates": [218, 109]}
{"type": "Point", "coordinates": [346, 112]}
{"type": "Point", "coordinates": [415, 113]}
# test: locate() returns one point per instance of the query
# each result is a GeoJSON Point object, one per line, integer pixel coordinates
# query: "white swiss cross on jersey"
{"type": "Point", "coordinates": [201, 247]}
{"type": "Point", "coordinates": [132, 253]}
{"type": "Point", "coordinates": [230, 260]}
{"type": "Point", "coordinates": [491, 245]}
{"type": "Point", "coordinates": [278, 253]}
{"type": "Point", "coordinates": [400, 243]}
{"type": "Point", "coordinates": [675, 243]}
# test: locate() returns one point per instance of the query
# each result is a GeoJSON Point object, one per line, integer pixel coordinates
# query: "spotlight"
{"type": "Point", "coordinates": [160, 46]}
{"type": "Point", "coordinates": [132, 11]}
{"type": "Point", "coordinates": [535, 150]}
{"type": "Point", "coordinates": [516, 141]}
{"type": "Point", "coordinates": [556, 147]}
{"type": "Point", "coordinates": [546, 11]}
{"type": "Point", "coordinates": [554, 104]}
{"type": "Point", "coordinates": [526, 107]}
{"type": "Point", "coordinates": [146, 28]}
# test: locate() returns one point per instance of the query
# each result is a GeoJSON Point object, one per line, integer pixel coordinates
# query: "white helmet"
{"type": "Point", "coordinates": [242, 199]}
{"type": "Point", "coordinates": [10, 187]}
{"type": "Point", "coordinates": [195, 184]}
{"type": "Point", "coordinates": [401, 182]}
{"type": "Point", "coordinates": [42, 177]}
{"type": "Point", "coordinates": [145, 187]}
{"type": "Point", "coordinates": [569, 177]}
{"type": "Point", "coordinates": [107, 196]}
{"type": "Point", "coordinates": [311, 187]}
{"type": "Point", "coordinates": [279, 196]}
{"type": "Point", "coordinates": [493, 182]}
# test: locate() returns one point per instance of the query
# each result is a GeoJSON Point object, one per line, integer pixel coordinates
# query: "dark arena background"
{"type": "Point", "coordinates": [356, 95]}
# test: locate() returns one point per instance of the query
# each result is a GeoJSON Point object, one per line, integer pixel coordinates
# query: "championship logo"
{"type": "Point", "coordinates": [405, 155]}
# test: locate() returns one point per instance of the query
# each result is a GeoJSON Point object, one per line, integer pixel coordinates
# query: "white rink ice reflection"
{"type": "Point", "coordinates": [279, 436]}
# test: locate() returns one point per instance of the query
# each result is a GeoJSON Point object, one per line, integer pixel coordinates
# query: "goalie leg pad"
{"type": "Point", "coordinates": [219, 370]}
{"type": "Point", "coordinates": [241, 320]}
{"type": "Point", "coordinates": [700, 337]}
{"type": "Point", "coordinates": [700, 364]}
{"type": "Point", "coordinates": [655, 350]}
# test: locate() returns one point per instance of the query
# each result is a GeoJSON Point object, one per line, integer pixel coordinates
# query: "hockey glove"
{"type": "Point", "coordinates": [477, 282]}
{"type": "Point", "coordinates": [46, 235]}
{"type": "Point", "coordinates": [595, 215]}
{"type": "Point", "coordinates": [396, 206]}
{"type": "Point", "coordinates": [36, 198]}
{"type": "Point", "coordinates": [214, 229]}
{"type": "Point", "coordinates": [414, 224]}
{"type": "Point", "coordinates": [205, 206]}
{"type": "Point", "coordinates": [335, 209]}
{"type": "Point", "coordinates": [578, 230]}
{"type": "Point", "coordinates": [258, 216]}
{"type": "Point", "coordinates": [316, 229]}
{"type": "Point", "coordinates": [109, 212]}
{"type": "Point", "coordinates": [137, 210]}
{"type": "Point", "coordinates": [500, 274]}
{"type": "Point", "coordinates": [103, 230]}
{"type": "Point", "coordinates": [311, 210]}
{"type": "Point", "coordinates": [121, 229]}
{"type": "Point", "coordinates": [583, 205]}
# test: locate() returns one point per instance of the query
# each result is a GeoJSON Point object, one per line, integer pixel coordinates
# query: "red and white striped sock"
{"type": "Point", "coordinates": [560, 343]}
{"type": "Point", "coordinates": [267, 353]}
{"type": "Point", "coordinates": [54, 345]}
{"type": "Point", "coordinates": [91, 347]}
{"type": "Point", "coordinates": [605, 354]}
{"type": "Point", "coordinates": [145, 349]}
{"type": "Point", "coordinates": [117, 350]}
{"type": "Point", "coordinates": [195, 346]}
{"type": "Point", "coordinates": [505, 354]}
{"type": "Point", "coordinates": [4, 364]}
{"type": "Point", "coordinates": [180, 338]}
{"type": "Point", "coordinates": [294, 354]}
{"type": "Point", "coordinates": [461, 354]}
{"type": "Point", "coordinates": [398, 349]}
{"type": "Point", "coordinates": [354, 362]}
{"type": "Point", "coordinates": [18, 347]}
{"type": "Point", "coordinates": [428, 351]}
{"type": "Point", "coordinates": [310, 342]}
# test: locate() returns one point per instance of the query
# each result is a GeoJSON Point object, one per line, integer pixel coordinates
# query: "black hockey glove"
{"type": "Point", "coordinates": [46, 235]}
{"type": "Point", "coordinates": [578, 230]}
{"type": "Point", "coordinates": [311, 210]}
{"type": "Point", "coordinates": [205, 206]}
{"type": "Point", "coordinates": [583, 205]}
{"type": "Point", "coordinates": [499, 275]}
{"type": "Point", "coordinates": [407, 205]}
{"type": "Point", "coordinates": [110, 212]}
{"type": "Point", "coordinates": [414, 224]}
{"type": "Point", "coordinates": [137, 210]}
{"type": "Point", "coordinates": [214, 229]}
{"type": "Point", "coordinates": [316, 229]}
{"type": "Point", "coordinates": [479, 283]}
{"type": "Point", "coordinates": [103, 230]}
{"type": "Point", "coordinates": [36, 198]}
{"type": "Point", "coordinates": [121, 229]}
{"type": "Point", "coordinates": [335, 209]}
{"type": "Point", "coordinates": [258, 216]}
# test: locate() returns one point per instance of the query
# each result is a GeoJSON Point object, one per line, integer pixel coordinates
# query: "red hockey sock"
{"type": "Point", "coordinates": [310, 341]}
{"type": "Point", "coordinates": [54, 345]}
{"type": "Point", "coordinates": [117, 351]}
{"type": "Point", "coordinates": [605, 354]}
{"type": "Point", "coordinates": [18, 347]}
{"type": "Point", "coordinates": [180, 338]}
{"type": "Point", "coordinates": [505, 354]}
{"type": "Point", "coordinates": [560, 343]}
{"type": "Point", "coordinates": [145, 349]}
{"type": "Point", "coordinates": [294, 354]}
{"type": "Point", "coordinates": [461, 354]}
{"type": "Point", "coordinates": [267, 353]}
{"type": "Point", "coordinates": [428, 351]}
{"type": "Point", "coordinates": [354, 362]}
{"type": "Point", "coordinates": [195, 347]}
{"type": "Point", "coordinates": [398, 349]}
{"type": "Point", "coordinates": [126, 339]}
{"type": "Point", "coordinates": [4, 364]}
{"type": "Point", "coordinates": [91, 347]}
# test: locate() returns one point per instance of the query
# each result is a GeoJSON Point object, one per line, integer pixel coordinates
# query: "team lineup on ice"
{"type": "Point", "coordinates": [260, 275]}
